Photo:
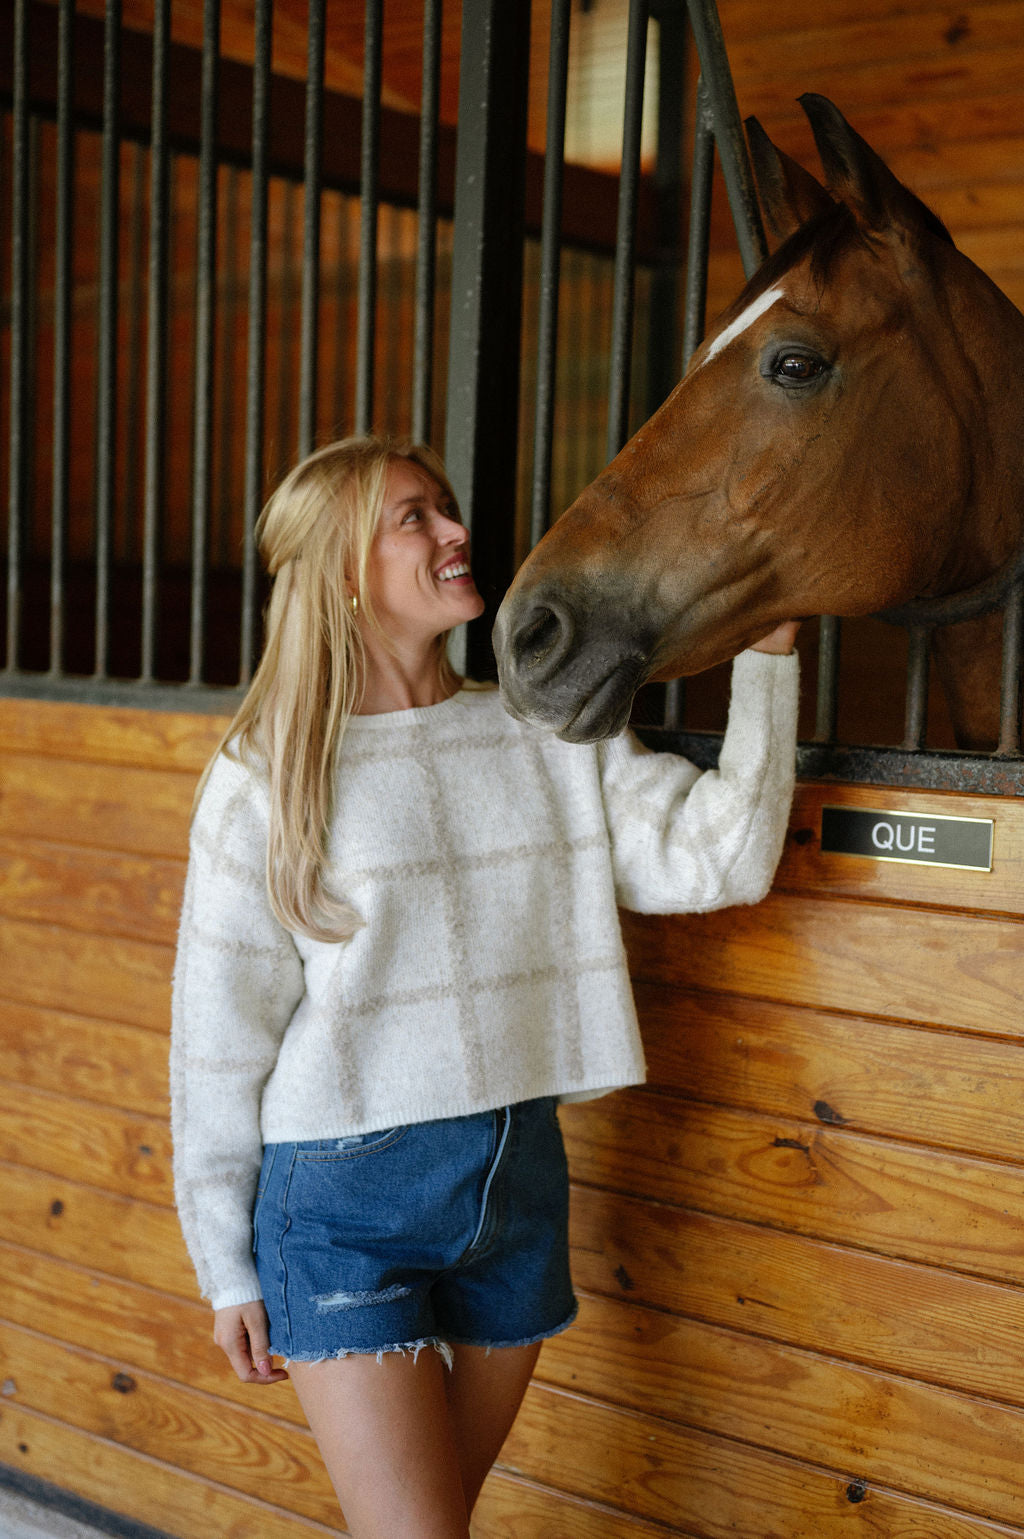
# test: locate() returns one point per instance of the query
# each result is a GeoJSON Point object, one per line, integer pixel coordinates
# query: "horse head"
{"type": "Point", "coordinates": [845, 440]}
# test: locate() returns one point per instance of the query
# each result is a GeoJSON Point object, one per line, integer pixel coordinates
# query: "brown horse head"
{"type": "Point", "coordinates": [846, 439]}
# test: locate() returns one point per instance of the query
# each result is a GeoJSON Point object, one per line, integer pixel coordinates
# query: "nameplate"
{"type": "Point", "coordinates": [908, 836]}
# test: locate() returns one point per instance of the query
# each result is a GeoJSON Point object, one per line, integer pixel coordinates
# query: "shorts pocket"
{"type": "Point", "coordinates": [357, 1146]}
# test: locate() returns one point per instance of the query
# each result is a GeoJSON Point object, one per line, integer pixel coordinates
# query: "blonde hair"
{"type": "Point", "coordinates": [314, 536]}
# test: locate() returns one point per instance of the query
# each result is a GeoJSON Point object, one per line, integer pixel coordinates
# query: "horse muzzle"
{"type": "Point", "coordinates": [561, 671]}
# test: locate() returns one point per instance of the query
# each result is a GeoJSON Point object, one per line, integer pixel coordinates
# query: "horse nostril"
{"type": "Point", "coordinates": [542, 638]}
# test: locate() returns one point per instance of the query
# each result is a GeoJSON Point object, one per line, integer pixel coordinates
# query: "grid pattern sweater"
{"type": "Point", "coordinates": [486, 860]}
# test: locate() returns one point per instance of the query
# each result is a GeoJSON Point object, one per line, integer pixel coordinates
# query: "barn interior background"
{"type": "Point", "coordinates": [799, 1248]}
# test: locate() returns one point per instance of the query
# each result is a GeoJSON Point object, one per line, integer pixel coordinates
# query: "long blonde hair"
{"type": "Point", "coordinates": [314, 536]}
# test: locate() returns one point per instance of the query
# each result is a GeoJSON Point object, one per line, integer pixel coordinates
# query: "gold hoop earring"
{"type": "Point", "coordinates": [354, 601]}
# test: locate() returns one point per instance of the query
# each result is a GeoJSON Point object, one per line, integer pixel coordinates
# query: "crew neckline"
{"type": "Point", "coordinates": [417, 715]}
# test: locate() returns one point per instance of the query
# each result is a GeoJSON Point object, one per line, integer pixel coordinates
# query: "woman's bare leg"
{"type": "Point", "coordinates": [386, 1436]}
{"type": "Point", "coordinates": [485, 1390]}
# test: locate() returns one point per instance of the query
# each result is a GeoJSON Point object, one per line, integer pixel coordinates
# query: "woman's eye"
{"type": "Point", "coordinates": [412, 516]}
{"type": "Point", "coordinates": [797, 368]}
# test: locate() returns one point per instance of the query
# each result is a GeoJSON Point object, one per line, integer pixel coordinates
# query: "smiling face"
{"type": "Point", "coordinates": [417, 571]}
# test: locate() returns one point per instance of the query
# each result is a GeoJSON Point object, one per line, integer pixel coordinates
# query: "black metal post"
{"type": "Point", "coordinates": [156, 356]}
{"type": "Point", "coordinates": [106, 366]}
{"type": "Point", "coordinates": [625, 238]}
{"type": "Point", "coordinates": [1010, 700]}
{"type": "Point", "coordinates": [426, 244]}
{"type": "Point", "coordinates": [311, 227]}
{"type": "Point", "coordinates": [487, 277]}
{"type": "Point", "coordinates": [206, 288]}
{"type": "Point", "coordinates": [62, 335]}
{"type": "Point", "coordinates": [550, 255]}
{"type": "Point", "coordinates": [256, 360]}
{"type": "Point", "coordinates": [370, 204]}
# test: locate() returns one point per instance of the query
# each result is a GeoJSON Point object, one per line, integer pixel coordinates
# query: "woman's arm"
{"type": "Point", "coordinates": [685, 841]}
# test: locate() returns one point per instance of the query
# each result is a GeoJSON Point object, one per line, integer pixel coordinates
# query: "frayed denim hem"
{"type": "Point", "coordinates": [403, 1347]}
{"type": "Point", "coordinates": [527, 1341]}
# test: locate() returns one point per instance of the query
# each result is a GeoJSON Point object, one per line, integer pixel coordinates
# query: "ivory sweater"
{"type": "Point", "coordinates": [486, 860]}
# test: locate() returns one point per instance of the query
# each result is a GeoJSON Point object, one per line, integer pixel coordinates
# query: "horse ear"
{"type": "Point", "coordinates": [859, 177]}
{"type": "Point", "coordinates": [790, 196]}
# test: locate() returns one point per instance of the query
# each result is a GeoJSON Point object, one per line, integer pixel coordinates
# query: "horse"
{"type": "Point", "coordinates": [847, 440]}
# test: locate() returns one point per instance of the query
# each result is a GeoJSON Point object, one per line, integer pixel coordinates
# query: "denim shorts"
{"type": "Point", "coordinates": [443, 1232]}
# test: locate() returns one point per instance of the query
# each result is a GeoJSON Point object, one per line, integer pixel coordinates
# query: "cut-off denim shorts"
{"type": "Point", "coordinates": [435, 1233]}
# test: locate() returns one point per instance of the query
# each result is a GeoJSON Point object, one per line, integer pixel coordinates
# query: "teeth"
{"type": "Point", "coordinates": [461, 569]}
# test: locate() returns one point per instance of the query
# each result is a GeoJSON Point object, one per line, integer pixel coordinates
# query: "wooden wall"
{"type": "Point", "coordinates": [799, 1250]}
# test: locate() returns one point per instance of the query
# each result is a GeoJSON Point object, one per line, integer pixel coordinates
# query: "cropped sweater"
{"type": "Point", "coordinates": [485, 859]}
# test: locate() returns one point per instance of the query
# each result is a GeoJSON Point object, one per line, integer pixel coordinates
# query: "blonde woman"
{"type": "Point", "coordinates": [399, 950]}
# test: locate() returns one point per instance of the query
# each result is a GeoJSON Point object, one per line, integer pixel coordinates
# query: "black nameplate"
{"type": "Point", "coordinates": [908, 836]}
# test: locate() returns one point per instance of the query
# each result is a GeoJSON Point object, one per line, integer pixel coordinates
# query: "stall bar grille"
{"type": "Point", "coordinates": [479, 412]}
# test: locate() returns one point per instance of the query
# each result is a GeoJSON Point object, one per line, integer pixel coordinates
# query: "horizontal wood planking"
{"type": "Point", "coordinates": [126, 1154]}
{"type": "Point", "coordinates": [940, 969]}
{"type": "Point", "coordinates": [950, 1210]}
{"type": "Point", "coordinates": [156, 740]}
{"type": "Point", "coordinates": [131, 809]}
{"type": "Point", "coordinates": [96, 1060]}
{"type": "Point", "coordinates": [937, 1443]}
{"type": "Point", "coordinates": [107, 977]}
{"type": "Point", "coordinates": [137, 1486]}
{"type": "Point", "coordinates": [95, 890]}
{"type": "Point", "coordinates": [943, 1088]}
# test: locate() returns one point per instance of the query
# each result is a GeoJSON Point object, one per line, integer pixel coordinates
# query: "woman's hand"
{"type": "Point", "coordinates": [780, 641]}
{"type": "Point", "coordinates": [242, 1332]}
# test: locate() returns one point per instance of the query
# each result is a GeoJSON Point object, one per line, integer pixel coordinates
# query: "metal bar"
{"type": "Point", "coordinates": [62, 334]}
{"type": "Point", "coordinates": [662, 355]}
{"type": "Point", "coordinates": [366, 325]}
{"type": "Point", "coordinates": [1013, 641]}
{"type": "Point", "coordinates": [156, 329]}
{"type": "Point", "coordinates": [256, 360]}
{"type": "Point", "coordinates": [481, 440]}
{"type": "Point", "coordinates": [919, 643]}
{"type": "Point", "coordinates": [625, 239]}
{"type": "Point", "coordinates": [313, 178]}
{"type": "Point", "coordinates": [206, 279]}
{"type": "Point", "coordinates": [426, 244]}
{"type": "Point", "coordinates": [830, 636]}
{"type": "Point", "coordinates": [696, 294]}
{"type": "Point", "coordinates": [17, 465]}
{"type": "Point", "coordinates": [550, 261]}
{"type": "Point", "coordinates": [106, 367]}
{"type": "Point", "coordinates": [732, 147]}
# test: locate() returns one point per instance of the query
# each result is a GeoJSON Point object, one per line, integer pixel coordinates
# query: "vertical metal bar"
{"type": "Point", "coordinates": [662, 352]}
{"type": "Point", "coordinates": [732, 148]}
{"type": "Point", "coordinates": [126, 545]}
{"type": "Point", "coordinates": [550, 259]}
{"type": "Point", "coordinates": [370, 194]}
{"type": "Point", "coordinates": [695, 301]}
{"type": "Point", "coordinates": [106, 370]}
{"type": "Point", "coordinates": [829, 643]}
{"type": "Point", "coordinates": [625, 238]}
{"type": "Point", "coordinates": [1013, 641]}
{"type": "Point", "coordinates": [426, 243]}
{"type": "Point", "coordinates": [17, 467]}
{"type": "Point", "coordinates": [919, 639]}
{"type": "Point", "coordinates": [256, 360]}
{"type": "Point", "coordinates": [156, 328]}
{"type": "Point", "coordinates": [206, 278]}
{"type": "Point", "coordinates": [62, 334]}
{"type": "Point", "coordinates": [309, 328]}
{"type": "Point", "coordinates": [481, 440]}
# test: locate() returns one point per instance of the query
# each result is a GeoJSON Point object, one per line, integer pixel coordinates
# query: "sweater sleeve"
{"type": "Point", "coordinates": [237, 980]}
{"type": "Point", "coordinates": [687, 842]}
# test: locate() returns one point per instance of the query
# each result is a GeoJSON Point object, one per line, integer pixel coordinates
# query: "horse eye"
{"type": "Point", "coordinates": [797, 368]}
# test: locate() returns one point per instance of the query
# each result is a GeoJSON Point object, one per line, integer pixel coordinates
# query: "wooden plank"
{"type": "Point", "coordinates": [145, 1489]}
{"type": "Point", "coordinates": [742, 19]}
{"type": "Point", "coordinates": [804, 867]}
{"type": "Point", "coordinates": [243, 1450]}
{"type": "Point", "coordinates": [103, 976]}
{"type": "Point", "coordinates": [946, 1210]}
{"type": "Point", "coordinates": [101, 1061]}
{"type": "Point", "coordinates": [678, 1475]}
{"type": "Point", "coordinates": [937, 968]}
{"type": "Point", "coordinates": [123, 1237]}
{"type": "Point", "coordinates": [934, 1325]}
{"type": "Point", "coordinates": [511, 1508]}
{"type": "Point", "coordinates": [117, 1151]}
{"type": "Point", "coordinates": [933, 1087]}
{"type": "Point", "coordinates": [99, 891]}
{"type": "Point", "coordinates": [938, 1444]}
{"type": "Point", "coordinates": [107, 806]}
{"type": "Point", "coordinates": [156, 740]}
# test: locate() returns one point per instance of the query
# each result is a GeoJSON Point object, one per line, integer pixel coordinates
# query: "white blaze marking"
{"type": "Point", "coordinates": [747, 318]}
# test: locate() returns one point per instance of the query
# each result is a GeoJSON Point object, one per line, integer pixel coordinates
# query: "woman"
{"type": "Point", "coordinates": [399, 949]}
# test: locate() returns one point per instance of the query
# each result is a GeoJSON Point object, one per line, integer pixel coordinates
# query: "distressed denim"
{"type": "Point", "coordinates": [435, 1233]}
